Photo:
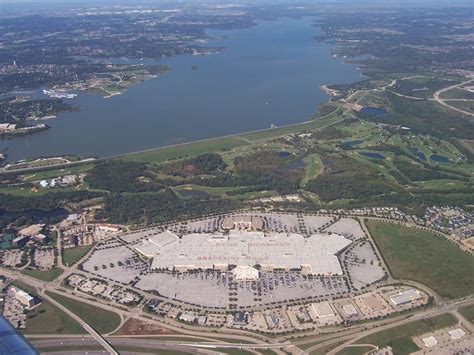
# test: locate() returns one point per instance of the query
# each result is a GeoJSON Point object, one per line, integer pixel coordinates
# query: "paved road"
{"type": "Point", "coordinates": [346, 340]}
{"type": "Point", "coordinates": [52, 166]}
{"type": "Point", "coordinates": [117, 342]}
{"type": "Point", "coordinates": [86, 326]}
{"type": "Point", "coordinates": [438, 93]}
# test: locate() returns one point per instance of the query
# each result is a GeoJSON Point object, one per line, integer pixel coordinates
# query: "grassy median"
{"type": "Point", "coordinates": [103, 321]}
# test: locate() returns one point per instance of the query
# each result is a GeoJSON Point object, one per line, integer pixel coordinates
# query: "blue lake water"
{"type": "Point", "coordinates": [373, 155]}
{"type": "Point", "coordinates": [270, 73]}
{"type": "Point", "coordinates": [352, 143]}
{"type": "Point", "coordinates": [295, 164]}
{"type": "Point", "coordinates": [440, 158]}
{"type": "Point", "coordinates": [284, 154]}
{"type": "Point", "coordinates": [421, 156]}
{"type": "Point", "coordinates": [374, 111]}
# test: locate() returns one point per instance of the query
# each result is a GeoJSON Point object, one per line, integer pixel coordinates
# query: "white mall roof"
{"type": "Point", "coordinates": [316, 253]}
{"type": "Point", "coordinates": [151, 245]}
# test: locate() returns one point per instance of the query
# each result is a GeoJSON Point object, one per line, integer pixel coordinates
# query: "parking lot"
{"type": "Point", "coordinates": [362, 265]}
{"type": "Point", "coordinates": [202, 288]}
{"type": "Point", "coordinates": [116, 262]}
{"type": "Point", "coordinates": [14, 311]}
{"type": "Point", "coordinates": [348, 227]}
{"type": "Point", "coordinates": [44, 258]}
{"type": "Point", "coordinates": [12, 258]}
{"type": "Point", "coordinates": [280, 286]}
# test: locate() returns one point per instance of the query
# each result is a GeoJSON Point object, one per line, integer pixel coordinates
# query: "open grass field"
{"type": "Point", "coordinates": [128, 349]}
{"type": "Point", "coordinates": [51, 173]}
{"type": "Point", "coordinates": [210, 190]}
{"type": "Point", "coordinates": [355, 350]}
{"type": "Point", "coordinates": [467, 106]}
{"type": "Point", "coordinates": [444, 184]}
{"type": "Point", "coordinates": [422, 256]}
{"type": "Point", "coordinates": [100, 319]}
{"type": "Point", "coordinates": [467, 312]}
{"type": "Point", "coordinates": [295, 128]}
{"type": "Point", "coordinates": [325, 349]}
{"type": "Point", "coordinates": [47, 318]}
{"type": "Point", "coordinates": [399, 337]}
{"type": "Point", "coordinates": [31, 191]}
{"type": "Point", "coordinates": [313, 168]}
{"type": "Point", "coordinates": [73, 255]}
{"type": "Point", "coordinates": [185, 150]}
{"type": "Point", "coordinates": [224, 143]}
{"type": "Point", "coordinates": [44, 275]}
{"type": "Point", "coordinates": [39, 163]}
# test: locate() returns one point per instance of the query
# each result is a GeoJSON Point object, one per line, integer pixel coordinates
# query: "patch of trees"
{"type": "Point", "coordinates": [22, 210]}
{"type": "Point", "coordinates": [415, 172]}
{"type": "Point", "coordinates": [258, 180]}
{"type": "Point", "coordinates": [424, 117]}
{"type": "Point", "coordinates": [329, 133]}
{"type": "Point", "coordinates": [204, 164]}
{"type": "Point", "coordinates": [345, 178]}
{"type": "Point", "coordinates": [159, 207]}
{"type": "Point", "coordinates": [120, 176]}
{"type": "Point", "coordinates": [46, 202]}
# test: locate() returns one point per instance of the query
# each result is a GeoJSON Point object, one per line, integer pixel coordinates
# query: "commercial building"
{"type": "Point", "coordinates": [20, 241]}
{"type": "Point", "coordinates": [23, 297]}
{"type": "Point", "coordinates": [31, 230]}
{"type": "Point", "coordinates": [350, 310]}
{"type": "Point", "coordinates": [457, 333]}
{"type": "Point", "coordinates": [40, 238]}
{"type": "Point", "coordinates": [315, 255]}
{"type": "Point", "coordinates": [404, 297]}
{"type": "Point", "coordinates": [322, 309]}
{"type": "Point", "coordinates": [373, 302]}
{"type": "Point", "coordinates": [430, 341]}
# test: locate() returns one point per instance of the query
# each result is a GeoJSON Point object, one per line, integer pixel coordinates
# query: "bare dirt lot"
{"type": "Point", "coordinates": [134, 326]}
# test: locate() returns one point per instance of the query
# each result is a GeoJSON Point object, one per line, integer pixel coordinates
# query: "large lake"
{"type": "Point", "coordinates": [270, 73]}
